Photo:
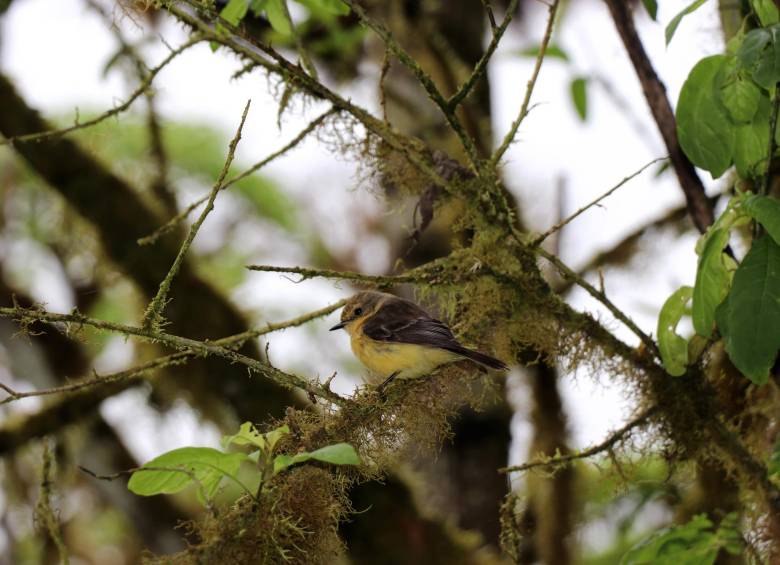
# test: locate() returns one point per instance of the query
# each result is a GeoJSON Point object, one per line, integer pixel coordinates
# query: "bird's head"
{"type": "Point", "coordinates": [359, 307]}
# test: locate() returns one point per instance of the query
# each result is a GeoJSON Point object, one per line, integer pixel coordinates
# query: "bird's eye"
{"type": "Point", "coordinates": [358, 311]}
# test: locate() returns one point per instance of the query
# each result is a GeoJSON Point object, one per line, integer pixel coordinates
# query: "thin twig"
{"type": "Point", "coordinates": [114, 111]}
{"type": "Point", "coordinates": [479, 69]}
{"type": "Point", "coordinates": [43, 510]}
{"type": "Point", "coordinates": [524, 108]}
{"type": "Point", "coordinates": [606, 445]}
{"type": "Point", "coordinates": [491, 17]}
{"type": "Point", "coordinates": [247, 46]}
{"type": "Point", "coordinates": [536, 242]}
{"type": "Point", "coordinates": [423, 78]}
{"type": "Point", "coordinates": [567, 273]}
{"type": "Point", "coordinates": [178, 218]}
{"type": "Point", "coordinates": [183, 344]}
{"type": "Point", "coordinates": [153, 314]}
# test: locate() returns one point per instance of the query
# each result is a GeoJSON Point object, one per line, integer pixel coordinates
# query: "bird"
{"type": "Point", "coordinates": [395, 338]}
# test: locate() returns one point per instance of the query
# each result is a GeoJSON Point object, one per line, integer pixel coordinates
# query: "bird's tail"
{"type": "Point", "coordinates": [481, 358]}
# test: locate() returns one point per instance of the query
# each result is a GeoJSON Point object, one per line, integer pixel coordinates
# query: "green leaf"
{"type": "Point", "coordinates": [336, 7]}
{"type": "Point", "coordinates": [767, 72]}
{"type": "Point", "coordinates": [258, 6]}
{"type": "Point", "coordinates": [337, 454]}
{"type": "Point", "coordinates": [752, 47]}
{"type": "Point", "coordinates": [751, 141]}
{"type": "Point", "coordinates": [712, 282]}
{"type": "Point", "coordinates": [178, 469]}
{"type": "Point", "coordinates": [579, 96]}
{"type": "Point", "coordinates": [673, 347]}
{"type": "Point", "coordinates": [652, 8]}
{"type": "Point", "coordinates": [246, 435]}
{"type": "Point", "coordinates": [276, 10]}
{"type": "Point", "coordinates": [766, 11]}
{"type": "Point", "coordinates": [275, 435]}
{"type": "Point", "coordinates": [703, 126]}
{"type": "Point", "coordinates": [740, 96]}
{"type": "Point", "coordinates": [554, 51]}
{"type": "Point", "coordinates": [235, 11]}
{"type": "Point", "coordinates": [766, 211]}
{"type": "Point", "coordinates": [690, 544]}
{"type": "Point", "coordinates": [672, 27]}
{"type": "Point", "coordinates": [749, 319]}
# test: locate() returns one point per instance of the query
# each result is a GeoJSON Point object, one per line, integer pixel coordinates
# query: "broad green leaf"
{"type": "Point", "coordinates": [673, 347]}
{"type": "Point", "coordinates": [740, 96]}
{"type": "Point", "coordinates": [671, 28]}
{"type": "Point", "coordinates": [749, 319]}
{"type": "Point", "coordinates": [337, 454]}
{"type": "Point", "coordinates": [579, 96]}
{"type": "Point", "coordinates": [766, 11]}
{"type": "Point", "coordinates": [712, 282]}
{"type": "Point", "coordinates": [751, 141]}
{"type": "Point", "coordinates": [652, 8]}
{"type": "Point", "coordinates": [766, 211]}
{"type": "Point", "coordinates": [336, 7]}
{"type": "Point", "coordinates": [553, 51]}
{"type": "Point", "coordinates": [276, 10]}
{"type": "Point", "coordinates": [767, 72]}
{"type": "Point", "coordinates": [235, 11]}
{"type": "Point", "coordinates": [205, 465]}
{"type": "Point", "coordinates": [752, 47]}
{"type": "Point", "coordinates": [694, 543]}
{"type": "Point", "coordinates": [703, 126]}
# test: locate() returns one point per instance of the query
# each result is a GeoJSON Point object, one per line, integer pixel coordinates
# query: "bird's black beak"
{"type": "Point", "coordinates": [338, 326]}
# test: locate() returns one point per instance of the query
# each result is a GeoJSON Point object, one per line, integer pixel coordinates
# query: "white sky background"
{"type": "Point", "coordinates": [55, 52]}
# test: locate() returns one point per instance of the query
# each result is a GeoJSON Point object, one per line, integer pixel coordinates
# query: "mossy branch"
{"type": "Point", "coordinates": [200, 348]}
{"type": "Point", "coordinates": [479, 69]}
{"type": "Point", "coordinates": [138, 92]}
{"type": "Point", "coordinates": [606, 445]}
{"type": "Point", "coordinates": [153, 314]}
{"type": "Point", "coordinates": [44, 513]}
{"type": "Point", "coordinates": [447, 109]}
{"type": "Point", "coordinates": [252, 49]}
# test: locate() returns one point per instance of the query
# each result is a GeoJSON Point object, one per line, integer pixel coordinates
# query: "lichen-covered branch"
{"type": "Point", "coordinates": [201, 348]}
{"type": "Point", "coordinates": [153, 314]}
{"type": "Point", "coordinates": [606, 445]}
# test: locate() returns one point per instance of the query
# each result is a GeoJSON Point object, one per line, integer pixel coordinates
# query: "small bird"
{"type": "Point", "coordinates": [394, 337]}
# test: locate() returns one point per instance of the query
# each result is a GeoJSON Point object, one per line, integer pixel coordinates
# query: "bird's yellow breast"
{"type": "Point", "coordinates": [408, 360]}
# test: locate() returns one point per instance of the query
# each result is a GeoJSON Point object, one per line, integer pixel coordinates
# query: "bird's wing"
{"type": "Point", "coordinates": [401, 321]}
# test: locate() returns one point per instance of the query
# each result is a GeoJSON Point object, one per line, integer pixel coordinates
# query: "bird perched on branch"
{"type": "Point", "coordinates": [395, 338]}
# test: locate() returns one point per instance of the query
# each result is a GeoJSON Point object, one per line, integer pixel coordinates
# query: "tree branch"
{"type": "Point", "coordinates": [613, 439]}
{"type": "Point", "coordinates": [141, 90]}
{"type": "Point", "coordinates": [655, 93]}
{"type": "Point", "coordinates": [153, 314]}
{"type": "Point", "coordinates": [524, 107]}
